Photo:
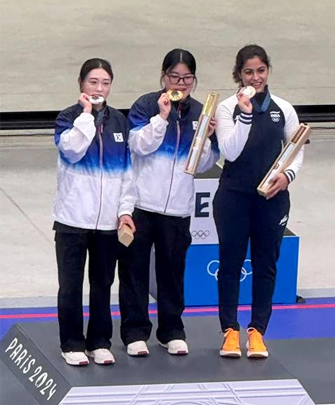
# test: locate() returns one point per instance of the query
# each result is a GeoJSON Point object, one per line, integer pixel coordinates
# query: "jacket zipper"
{"type": "Point", "coordinates": [100, 130]}
{"type": "Point", "coordinates": [174, 161]}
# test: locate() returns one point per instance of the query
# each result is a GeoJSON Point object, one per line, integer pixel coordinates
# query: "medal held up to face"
{"type": "Point", "coordinates": [285, 158]}
{"type": "Point", "coordinates": [96, 100]}
{"type": "Point", "coordinates": [201, 132]}
{"type": "Point", "coordinates": [248, 91]}
{"type": "Point", "coordinates": [175, 95]}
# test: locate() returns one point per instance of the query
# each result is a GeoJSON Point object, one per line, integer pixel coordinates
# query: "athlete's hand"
{"type": "Point", "coordinates": [128, 220]}
{"type": "Point", "coordinates": [278, 183]}
{"type": "Point", "coordinates": [244, 103]}
{"type": "Point", "coordinates": [211, 126]}
{"type": "Point", "coordinates": [84, 101]}
{"type": "Point", "coordinates": [164, 104]}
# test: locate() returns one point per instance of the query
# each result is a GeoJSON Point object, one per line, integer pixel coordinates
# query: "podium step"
{"type": "Point", "coordinates": [32, 353]}
{"type": "Point", "coordinates": [276, 392]}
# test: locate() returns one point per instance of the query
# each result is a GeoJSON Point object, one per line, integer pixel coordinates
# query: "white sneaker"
{"type": "Point", "coordinates": [176, 346]}
{"type": "Point", "coordinates": [138, 348]}
{"type": "Point", "coordinates": [101, 356]}
{"type": "Point", "coordinates": [75, 358]}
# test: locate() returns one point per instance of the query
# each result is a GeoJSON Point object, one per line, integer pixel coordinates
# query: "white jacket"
{"type": "Point", "coordinates": [159, 152]}
{"type": "Point", "coordinates": [94, 176]}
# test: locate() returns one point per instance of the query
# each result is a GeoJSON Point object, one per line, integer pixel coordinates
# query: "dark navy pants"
{"type": "Point", "coordinates": [240, 217]}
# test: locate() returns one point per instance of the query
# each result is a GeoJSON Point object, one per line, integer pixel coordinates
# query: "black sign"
{"type": "Point", "coordinates": [32, 368]}
{"type": "Point", "coordinates": [201, 205]}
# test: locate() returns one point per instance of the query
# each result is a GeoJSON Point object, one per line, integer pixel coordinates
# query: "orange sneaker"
{"type": "Point", "coordinates": [255, 345]}
{"type": "Point", "coordinates": [231, 344]}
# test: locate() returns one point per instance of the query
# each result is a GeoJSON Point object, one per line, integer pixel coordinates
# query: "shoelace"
{"type": "Point", "coordinates": [103, 351]}
{"type": "Point", "coordinates": [227, 331]}
{"type": "Point", "coordinates": [256, 338]}
{"type": "Point", "coordinates": [233, 337]}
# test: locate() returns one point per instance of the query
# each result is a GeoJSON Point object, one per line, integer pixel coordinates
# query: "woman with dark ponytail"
{"type": "Point", "coordinates": [94, 197]}
{"type": "Point", "coordinates": [252, 128]}
{"type": "Point", "coordinates": [161, 133]}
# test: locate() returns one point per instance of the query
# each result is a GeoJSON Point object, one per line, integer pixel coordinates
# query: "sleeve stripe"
{"type": "Point", "coordinates": [290, 174]}
{"type": "Point", "coordinates": [245, 115]}
{"type": "Point", "coordinates": [245, 118]}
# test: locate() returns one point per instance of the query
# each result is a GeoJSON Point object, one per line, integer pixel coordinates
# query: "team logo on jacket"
{"type": "Point", "coordinates": [283, 221]}
{"type": "Point", "coordinates": [275, 116]}
{"type": "Point", "coordinates": [195, 125]}
{"type": "Point", "coordinates": [118, 137]}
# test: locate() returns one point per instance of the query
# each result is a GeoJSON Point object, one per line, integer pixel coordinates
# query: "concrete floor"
{"type": "Point", "coordinates": [28, 267]}
{"type": "Point", "coordinates": [313, 215]}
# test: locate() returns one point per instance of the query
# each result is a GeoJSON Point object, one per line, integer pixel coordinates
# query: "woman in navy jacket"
{"type": "Point", "coordinates": [251, 134]}
{"type": "Point", "coordinates": [94, 197]}
{"type": "Point", "coordinates": [161, 133]}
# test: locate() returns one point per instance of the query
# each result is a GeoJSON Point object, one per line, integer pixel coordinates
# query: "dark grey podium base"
{"type": "Point", "coordinates": [31, 352]}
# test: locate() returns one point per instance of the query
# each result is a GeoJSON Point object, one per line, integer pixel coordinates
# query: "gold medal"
{"type": "Point", "coordinates": [175, 95]}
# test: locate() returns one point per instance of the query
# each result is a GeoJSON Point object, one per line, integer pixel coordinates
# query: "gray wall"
{"type": "Point", "coordinates": [44, 42]}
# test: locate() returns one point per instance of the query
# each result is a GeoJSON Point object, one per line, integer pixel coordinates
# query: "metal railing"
{"type": "Point", "coordinates": [30, 120]}
{"type": "Point", "coordinates": [316, 113]}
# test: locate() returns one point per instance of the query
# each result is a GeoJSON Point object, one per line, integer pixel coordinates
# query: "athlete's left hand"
{"type": "Point", "coordinates": [211, 126]}
{"type": "Point", "coordinates": [279, 183]}
{"type": "Point", "coordinates": [128, 220]}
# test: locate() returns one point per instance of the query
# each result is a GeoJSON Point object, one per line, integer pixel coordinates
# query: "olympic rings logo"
{"type": "Point", "coordinates": [213, 269]}
{"type": "Point", "coordinates": [200, 234]}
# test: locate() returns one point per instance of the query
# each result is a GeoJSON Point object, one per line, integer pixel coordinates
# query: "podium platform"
{"type": "Point", "coordinates": [202, 261]}
{"type": "Point", "coordinates": [31, 353]}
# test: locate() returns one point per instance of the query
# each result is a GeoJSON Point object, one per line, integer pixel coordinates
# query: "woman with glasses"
{"type": "Point", "coordinates": [251, 132]}
{"type": "Point", "coordinates": [161, 133]}
{"type": "Point", "coordinates": [94, 197]}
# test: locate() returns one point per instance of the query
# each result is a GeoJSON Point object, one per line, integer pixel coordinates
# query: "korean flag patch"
{"type": "Point", "coordinates": [118, 137]}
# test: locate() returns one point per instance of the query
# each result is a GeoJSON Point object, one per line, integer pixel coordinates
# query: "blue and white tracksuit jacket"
{"type": "Point", "coordinates": [159, 152]}
{"type": "Point", "coordinates": [94, 177]}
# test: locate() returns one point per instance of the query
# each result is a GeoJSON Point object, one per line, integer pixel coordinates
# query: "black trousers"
{"type": "Point", "coordinates": [171, 237]}
{"type": "Point", "coordinates": [71, 252]}
{"type": "Point", "coordinates": [239, 217]}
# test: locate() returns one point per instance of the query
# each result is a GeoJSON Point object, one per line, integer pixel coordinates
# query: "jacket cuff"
{"type": "Point", "coordinates": [157, 119]}
{"type": "Point", "coordinates": [289, 173]}
{"type": "Point", "coordinates": [124, 212]}
{"type": "Point", "coordinates": [245, 118]}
